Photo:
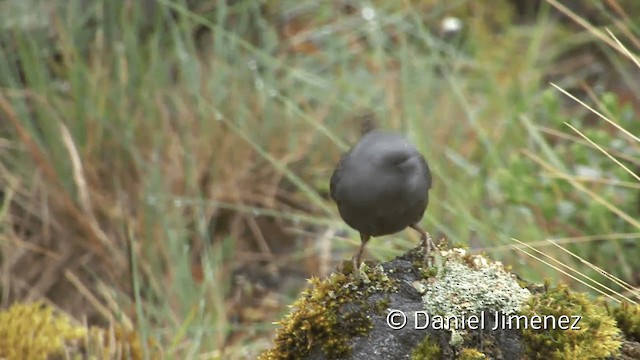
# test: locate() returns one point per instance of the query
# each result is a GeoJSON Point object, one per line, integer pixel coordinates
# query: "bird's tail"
{"type": "Point", "coordinates": [368, 122]}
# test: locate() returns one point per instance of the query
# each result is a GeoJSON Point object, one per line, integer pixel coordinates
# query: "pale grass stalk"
{"type": "Point", "coordinates": [585, 24]}
{"type": "Point", "coordinates": [584, 189]}
{"type": "Point", "coordinates": [559, 269]}
{"type": "Point", "coordinates": [566, 240]}
{"type": "Point", "coordinates": [626, 132]}
{"type": "Point", "coordinates": [93, 300]}
{"type": "Point", "coordinates": [626, 286]}
{"type": "Point", "coordinates": [603, 151]}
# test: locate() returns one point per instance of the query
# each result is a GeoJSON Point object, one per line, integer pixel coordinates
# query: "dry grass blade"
{"type": "Point", "coordinates": [603, 151]}
{"type": "Point", "coordinates": [78, 173]}
{"type": "Point", "coordinates": [277, 164]}
{"type": "Point", "coordinates": [626, 286]}
{"type": "Point", "coordinates": [611, 182]}
{"type": "Point", "coordinates": [89, 296]}
{"type": "Point", "coordinates": [566, 136]}
{"type": "Point", "coordinates": [624, 48]}
{"type": "Point", "coordinates": [578, 185]}
{"type": "Point", "coordinates": [26, 139]}
{"type": "Point", "coordinates": [83, 191]}
{"type": "Point", "coordinates": [49, 172]}
{"type": "Point", "coordinates": [109, 298]}
{"type": "Point", "coordinates": [585, 24]}
{"type": "Point", "coordinates": [519, 248]}
{"type": "Point", "coordinates": [31, 247]}
{"type": "Point", "coordinates": [596, 112]}
{"type": "Point", "coordinates": [325, 247]}
{"type": "Point", "coordinates": [567, 240]}
{"type": "Point", "coordinates": [622, 25]}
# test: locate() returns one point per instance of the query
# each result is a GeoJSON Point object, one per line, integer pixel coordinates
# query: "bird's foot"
{"type": "Point", "coordinates": [360, 272]}
{"type": "Point", "coordinates": [356, 268]}
{"type": "Point", "coordinates": [428, 246]}
{"type": "Point", "coordinates": [357, 271]}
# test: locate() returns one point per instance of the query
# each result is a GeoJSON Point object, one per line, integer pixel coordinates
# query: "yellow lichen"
{"type": "Point", "coordinates": [33, 331]}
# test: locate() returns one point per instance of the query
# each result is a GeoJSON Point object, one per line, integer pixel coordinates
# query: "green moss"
{"type": "Point", "coordinates": [471, 354]}
{"type": "Point", "coordinates": [460, 245]}
{"type": "Point", "coordinates": [34, 331]}
{"type": "Point", "coordinates": [317, 319]}
{"type": "Point", "coordinates": [597, 338]}
{"type": "Point", "coordinates": [429, 272]}
{"type": "Point", "coordinates": [627, 317]}
{"type": "Point", "coordinates": [427, 349]}
{"type": "Point", "coordinates": [418, 263]}
{"type": "Point", "coordinates": [381, 306]}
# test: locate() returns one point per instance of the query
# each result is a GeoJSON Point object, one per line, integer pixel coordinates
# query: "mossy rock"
{"type": "Point", "coordinates": [342, 317]}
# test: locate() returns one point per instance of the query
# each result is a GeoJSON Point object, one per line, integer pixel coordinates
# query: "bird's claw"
{"type": "Point", "coordinates": [427, 245]}
{"type": "Point", "coordinates": [356, 268]}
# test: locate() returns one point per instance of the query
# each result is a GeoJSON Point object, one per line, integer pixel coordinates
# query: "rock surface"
{"type": "Point", "coordinates": [340, 300]}
{"type": "Point", "coordinates": [384, 342]}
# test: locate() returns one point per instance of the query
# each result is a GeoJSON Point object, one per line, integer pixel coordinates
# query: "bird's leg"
{"type": "Point", "coordinates": [427, 243]}
{"type": "Point", "coordinates": [356, 259]}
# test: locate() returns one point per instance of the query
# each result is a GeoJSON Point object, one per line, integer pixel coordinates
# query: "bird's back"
{"type": "Point", "coordinates": [381, 185]}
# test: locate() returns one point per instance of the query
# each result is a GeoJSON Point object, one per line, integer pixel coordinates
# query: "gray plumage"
{"type": "Point", "coordinates": [381, 187]}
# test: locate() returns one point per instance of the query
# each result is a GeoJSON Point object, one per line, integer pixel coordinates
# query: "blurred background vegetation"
{"type": "Point", "coordinates": [164, 164]}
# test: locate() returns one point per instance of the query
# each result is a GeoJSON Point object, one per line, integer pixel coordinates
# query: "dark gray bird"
{"type": "Point", "coordinates": [381, 187]}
